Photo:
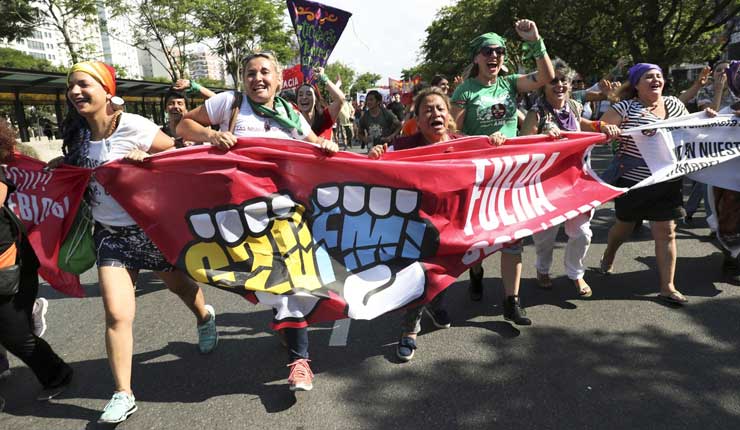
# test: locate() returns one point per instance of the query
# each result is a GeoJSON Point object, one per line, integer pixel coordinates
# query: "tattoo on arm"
{"type": "Point", "coordinates": [532, 76]}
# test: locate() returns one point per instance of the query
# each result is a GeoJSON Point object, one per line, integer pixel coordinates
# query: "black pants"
{"type": "Point", "coordinates": [297, 339]}
{"type": "Point", "coordinates": [16, 335]}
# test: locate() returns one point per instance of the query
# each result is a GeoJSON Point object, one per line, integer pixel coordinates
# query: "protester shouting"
{"type": "Point", "coordinates": [555, 111]}
{"type": "Point", "coordinates": [260, 113]}
{"type": "Point", "coordinates": [642, 102]}
{"type": "Point", "coordinates": [95, 132]}
{"type": "Point", "coordinates": [485, 104]}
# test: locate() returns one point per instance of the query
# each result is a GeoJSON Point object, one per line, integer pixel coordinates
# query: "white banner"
{"type": "Point", "coordinates": [706, 149]}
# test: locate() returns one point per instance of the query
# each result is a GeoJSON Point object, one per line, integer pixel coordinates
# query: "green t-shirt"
{"type": "Point", "coordinates": [488, 109]}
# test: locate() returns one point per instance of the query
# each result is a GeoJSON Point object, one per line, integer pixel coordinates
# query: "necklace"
{"type": "Point", "coordinates": [113, 125]}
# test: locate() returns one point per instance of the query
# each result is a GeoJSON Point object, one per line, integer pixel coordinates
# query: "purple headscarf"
{"type": "Point", "coordinates": [635, 72]}
{"type": "Point", "coordinates": [733, 77]}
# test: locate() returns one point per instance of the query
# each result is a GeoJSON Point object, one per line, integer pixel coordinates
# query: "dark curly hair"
{"type": "Point", "coordinates": [7, 142]}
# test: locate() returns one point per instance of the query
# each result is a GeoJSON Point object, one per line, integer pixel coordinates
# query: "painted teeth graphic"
{"type": "Point", "coordinates": [372, 230]}
{"type": "Point", "coordinates": [232, 224]}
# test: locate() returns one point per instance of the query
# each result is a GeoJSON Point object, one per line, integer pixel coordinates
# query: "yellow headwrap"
{"type": "Point", "coordinates": [100, 71]}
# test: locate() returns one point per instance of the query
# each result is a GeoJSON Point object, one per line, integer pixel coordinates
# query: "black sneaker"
{"type": "Point", "coordinates": [405, 348]}
{"type": "Point", "coordinates": [514, 312]}
{"type": "Point", "coordinates": [56, 388]}
{"type": "Point", "coordinates": [731, 269]}
{"type": "Point", "coordinates": [439, 317]}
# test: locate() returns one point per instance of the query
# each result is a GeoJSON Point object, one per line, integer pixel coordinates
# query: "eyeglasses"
{"type": "Point", "coordinates": [556, 80]}
{"type": "Point", "coordinates": [488, 51]}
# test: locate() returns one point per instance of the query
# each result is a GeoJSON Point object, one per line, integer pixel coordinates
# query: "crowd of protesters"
{"type": "Point", "coordinates": [487, 99]}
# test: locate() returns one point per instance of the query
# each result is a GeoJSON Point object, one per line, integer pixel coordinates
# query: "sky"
{"type": "Point", "coordinates": [383, 36]}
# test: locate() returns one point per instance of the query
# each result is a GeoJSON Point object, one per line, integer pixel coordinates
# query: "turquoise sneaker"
{"type": "Point", "coordinates": [207, 333]}
{"type": "Point", "coordinates": [118, 409]}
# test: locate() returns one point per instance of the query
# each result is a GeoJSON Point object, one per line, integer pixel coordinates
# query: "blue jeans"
{"type": "Point", "coordinates": [297, 339]}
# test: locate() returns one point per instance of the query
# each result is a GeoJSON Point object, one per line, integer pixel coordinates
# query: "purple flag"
{"type": "Point", "coordinates": [318, 28]}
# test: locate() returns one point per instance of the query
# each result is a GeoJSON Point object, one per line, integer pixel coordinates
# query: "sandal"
{"type": "Point", "coordinates": [584, 290]}
{"type": "Point", "coordinates": [544, 281]}
{"type": "Point", "coordinates": [675, 298]}
{"type": "Point", "coordinates": [606, 268]}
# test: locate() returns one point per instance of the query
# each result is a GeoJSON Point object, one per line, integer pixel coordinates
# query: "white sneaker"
{"type": "Point", "coordinates": [118, 409]}
{"type": "Point", "coordinates": [40, 306]}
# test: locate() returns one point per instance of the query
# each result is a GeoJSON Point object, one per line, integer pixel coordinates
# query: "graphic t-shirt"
{"type": "Point", "coordinates": [133, 132]}
{"type": "Point", "coordinates": [249, 124]}
{"type": "Point", "coordinates": [379, 126]}
{"type": "Point", "coordinates": [488, 109]}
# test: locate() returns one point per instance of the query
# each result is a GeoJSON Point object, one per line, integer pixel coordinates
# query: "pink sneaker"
{"type": "Point", "coordinates": [301, 376]}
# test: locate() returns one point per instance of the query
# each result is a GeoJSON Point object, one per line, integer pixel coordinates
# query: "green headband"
{"type": "Point", "coordinates": [485, 39]}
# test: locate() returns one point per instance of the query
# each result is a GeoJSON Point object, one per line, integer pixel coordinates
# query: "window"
{"type": "Point", "coordinates": [35, 45]}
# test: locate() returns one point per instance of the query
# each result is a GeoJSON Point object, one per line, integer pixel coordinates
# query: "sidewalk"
{"type": "Point", "coordinates": [46, 149]}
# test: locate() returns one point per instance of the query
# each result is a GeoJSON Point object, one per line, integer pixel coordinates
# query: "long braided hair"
{"type": "Point", "coordinates": [76, 134]}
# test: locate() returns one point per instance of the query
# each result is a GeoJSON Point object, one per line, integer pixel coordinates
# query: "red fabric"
{"type": "Point", "coordinates": [292, 77]}
{"type": "Point", "coordinates": [47, 202]}
{"type": "Point", "coordinates": [325, 128]}
{"type": "Point", "coordinates": [468, 199]}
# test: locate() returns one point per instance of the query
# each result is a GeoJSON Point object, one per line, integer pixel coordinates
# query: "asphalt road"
{"type": "Point", "coordinates": [617, 360]}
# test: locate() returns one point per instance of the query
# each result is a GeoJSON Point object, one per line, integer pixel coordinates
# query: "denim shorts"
{"type": "Point", "coordinates": [128, 247]}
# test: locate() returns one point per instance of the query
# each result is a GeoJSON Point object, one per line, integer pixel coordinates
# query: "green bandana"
{"type": "Point", "coordinates": [485, 39]}
{"type": "Point", "coordinates": [289, 120]}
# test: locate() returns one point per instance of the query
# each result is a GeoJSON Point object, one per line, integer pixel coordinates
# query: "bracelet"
{"type": "Point", "coordinates": [597, 126]}
{"type": "Point", "coordinates": [323, 78]}
{"type": "Point", "coordinates": [194, 88]}
{"type": "Point", "coordinates": [534, 49]}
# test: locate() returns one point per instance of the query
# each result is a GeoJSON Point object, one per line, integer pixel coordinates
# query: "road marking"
{"type": "Point", "coordinates": [339, 333]}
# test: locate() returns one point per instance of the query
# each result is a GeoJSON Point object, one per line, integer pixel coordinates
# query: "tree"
{"type": "Point", "coordinates": [18, 60]}
{"type": "Point", "coordinates": [343, 71]}
{"type": "Point", "coordinates": [240, 27]}
{"type": "Point", "coordinates": [19, 19]}
{"type": "Point", "coordinates": [211, 83]}
{"type": "Point", "coordinates": [67, 16]}
{"type": "Point", "coordinates": [363, 82]}
{"type": "Point", "coordinates": [591, 39]}
{"type": "Point", "coordinates": [165, 27]}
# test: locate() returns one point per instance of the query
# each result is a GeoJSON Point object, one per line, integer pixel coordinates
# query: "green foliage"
{"type": "Point", "coordinates": [18, 60]}
{"type": "Point", "coordinates": [19, 19]}
{"type": "Point", "coordinates": [590, 37]}
{"type": "Point", "coordinates": [165, 27]}
{"type": "Point", "coordinates": [363, 82]}
{"type": "Point", "coordinates": [345, 72]}
{"type": "Point", "coordinates": [240, 27]}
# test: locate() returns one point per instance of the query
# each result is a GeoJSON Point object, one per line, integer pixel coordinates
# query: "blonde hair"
{"type": "Point", "coordinates": [275, 64]}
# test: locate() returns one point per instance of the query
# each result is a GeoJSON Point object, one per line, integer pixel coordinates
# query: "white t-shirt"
{"type": "Point", "coordinates": [133, 132]}
{"type": "Point", "coordinates": [248, 124]}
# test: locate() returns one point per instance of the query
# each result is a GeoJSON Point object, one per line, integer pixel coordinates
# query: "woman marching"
{"type": "Point", "coordinates": [555, 111]}
{"type": "Point", "coordinates": [642, 102]}
{"type": "Point", "coordinates": [312, 108]}
{"type": "Point", "coordinates": [95, 132]}
{"type": "Point", "coordinates": [485, 104]}
{"type": "Point", "coordinates": [259, 113]}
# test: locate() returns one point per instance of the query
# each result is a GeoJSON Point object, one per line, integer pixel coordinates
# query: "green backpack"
{"type": "Point", "coordinates": [77, 253]}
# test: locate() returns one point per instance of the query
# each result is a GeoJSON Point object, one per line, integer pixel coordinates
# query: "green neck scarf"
{"type": "Point", "coordinates": [289, 119]}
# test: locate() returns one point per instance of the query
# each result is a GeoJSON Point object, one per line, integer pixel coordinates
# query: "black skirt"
{"type": "Point", "coordinates": [659, 202]}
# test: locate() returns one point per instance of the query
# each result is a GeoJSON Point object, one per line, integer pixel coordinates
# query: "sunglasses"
{"type": "Point", "coordinates": [488, 51]}
{"type": "Point", "coordinates": [563, 80]}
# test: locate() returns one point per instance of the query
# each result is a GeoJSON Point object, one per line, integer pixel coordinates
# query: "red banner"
{"type": "Point", "coordinates": [322, 238]}
{"type": "Point", "coordinates": [46, 202]}
{"type": "Point", "coordinates": [292, 77]}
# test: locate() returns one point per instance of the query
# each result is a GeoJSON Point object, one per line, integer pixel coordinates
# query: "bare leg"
{"type": "Point", "coordinates": [618, 234]}
{"type": "Point", "coordinates": [664, 233]}
{"type": "Point", "coordinates": [511, 273]}
{"type": "Point", "coordinates": [117, 290]}
{"type": "Point", "coordinates": [188, 291]}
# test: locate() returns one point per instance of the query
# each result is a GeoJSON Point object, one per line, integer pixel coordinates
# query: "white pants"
{"type": "Point", "coordinates": [579, 234]}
